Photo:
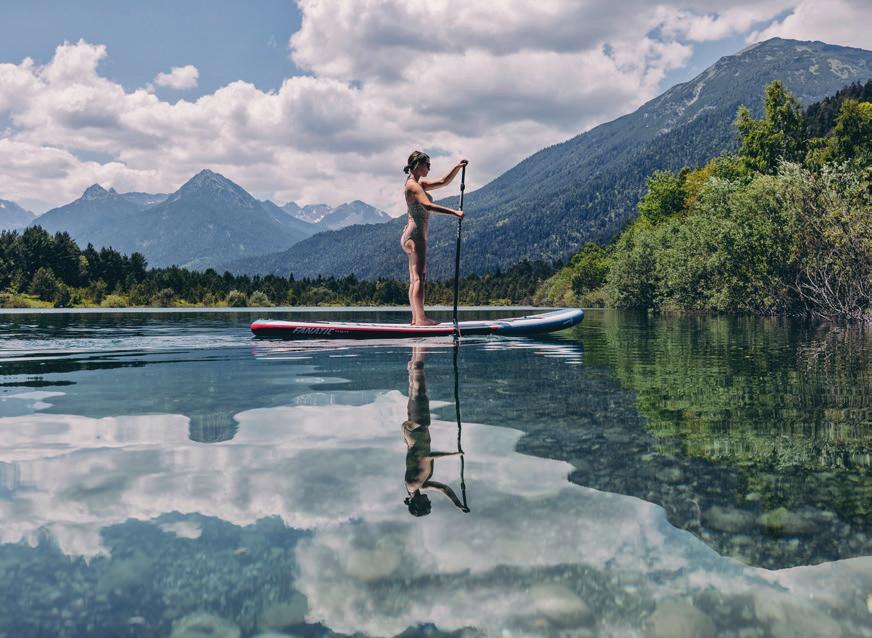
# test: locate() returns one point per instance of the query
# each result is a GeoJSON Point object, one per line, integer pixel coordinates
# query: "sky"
{"type": "Point", "coordinates": [323, 100]}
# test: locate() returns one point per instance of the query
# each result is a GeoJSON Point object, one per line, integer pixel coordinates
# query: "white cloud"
{"type": "Point", "coordinates": [844, 22]}
{"type": "Point", "coordinates": [179, 77]}
{"type": "Point", "coordinates": [386, 77]}
{"type": "Point", "coordinates": [708, 23]}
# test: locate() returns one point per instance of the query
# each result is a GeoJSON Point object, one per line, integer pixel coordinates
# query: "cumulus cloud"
{"type": "Point", "coordinates": [459, 80]}
{"type": "Point", "coordinates": [706, 23]}
{"type": "Point", "coordinates": [844, 22]}
{"type": "Point", "coordinates": [179, 77]}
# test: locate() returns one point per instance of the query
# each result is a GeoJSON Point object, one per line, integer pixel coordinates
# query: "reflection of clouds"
{"type": "Point", "coordinates": [304, 463]}
{"type": "Point", "coordinates": [333, 463]}
{"type": "Point", "coordinates": [13, 404]}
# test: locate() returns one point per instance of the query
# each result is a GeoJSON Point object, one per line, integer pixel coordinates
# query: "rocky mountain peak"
{"type": "Point", "coordinates": [95, 191]}
{"type": "Point", "coordinates": [214, 187]}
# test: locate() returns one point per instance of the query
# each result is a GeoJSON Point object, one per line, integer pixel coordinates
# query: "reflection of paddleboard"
{"type": "Point", "coordinates": [533, 324]}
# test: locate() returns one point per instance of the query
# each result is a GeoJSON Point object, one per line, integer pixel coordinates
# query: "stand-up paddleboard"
{"type": "Point", "coordinates": [533, 324]}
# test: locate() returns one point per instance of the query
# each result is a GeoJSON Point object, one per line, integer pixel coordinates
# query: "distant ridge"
{"type": "Point", "coordinates": [587, 188]}
{"type": "Point", "coordinates": [348, 214]}
{"type": "Point", "coordinates": [14, 216]}
{"type": "Point", "coordinates": [93, 218]}
{"type": "Point", "coordinates": [208, 219]}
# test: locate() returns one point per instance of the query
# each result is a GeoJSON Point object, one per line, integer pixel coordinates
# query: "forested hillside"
{"type": "Point", "coordinates": [587, 189]}
{"type": "Point", "coordinates": [38, 269]}
{"type": "Point", "coordinates": [783, 226]}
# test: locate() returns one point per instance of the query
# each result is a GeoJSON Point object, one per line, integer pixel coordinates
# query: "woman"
{"type": "Point", "coordinates": [414, 240]}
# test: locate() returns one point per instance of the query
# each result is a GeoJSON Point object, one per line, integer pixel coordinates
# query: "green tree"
{"type": "Point", "coordinates": [64, 297]}
{"type": "Point", "coordinates": [589, 266]}
{"type": "Point", "coordinates": [632, 280]}
{"type": "Point", "coordinates": [664, 198]}
{"type": "Point", "coordinates": [44, 284]}
{"type": "Point", "coordinates": [319, 296]}
{"type": "Point", "coordinates": [852, 136]}
{"type": "Point", "coordinates": [97, 291]}
{"type": "Point", "coordinates": [164, 298]}
{"type": "Point", "coordinates": [780, 135]}
{"type": "Point", "coordinates": [236, 299]}
{"type": "Point", "coordinates": [829, 217]}
{"type": "Point", "coordinates": [259, 299]}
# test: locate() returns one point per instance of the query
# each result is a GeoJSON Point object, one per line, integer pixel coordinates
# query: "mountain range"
{"type": "Point", "coordinates": [209, 220]}
{"type": "Point", "coordinates": [587, 188]}
{"type": "Point", "coordinates": [13, 216]}
{"type": "Point", "coordinates": [348, 214]}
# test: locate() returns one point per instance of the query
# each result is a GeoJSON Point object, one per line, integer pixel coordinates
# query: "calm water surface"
{"type": "Point", "coordinates": [167, 475]}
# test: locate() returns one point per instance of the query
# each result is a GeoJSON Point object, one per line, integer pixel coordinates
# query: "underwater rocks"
{"type": "Point", "coordinates": [561, 605]}
{"type": "Point", "coordinates": [786, 523]}
{"type": "Point", "coordinates": [202, 624]}
{"type": "Point", "coordinates": [728, 519]}
{"type": "Point", "coordinates": [680, 619]}
{"type": "Point", "coordinates": [283, 615]}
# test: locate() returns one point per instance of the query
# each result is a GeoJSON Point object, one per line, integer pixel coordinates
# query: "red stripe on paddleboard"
{"type": "Point", "coordinates": [293, 326]}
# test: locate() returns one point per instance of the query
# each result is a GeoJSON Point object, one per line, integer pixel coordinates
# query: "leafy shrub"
{"type": "Point", "coordinates": [114, 301]}
{"type": "Point", "coordinates": [44, 284]}
{"type": "Point", "coordinates": [97, 291]}
{"type": "Point", "coordinates": [259, 299]}
{"type": "Point", "coordinates": [319, 296]}
{"type": "Point", "coordinates": [165, 298]}
{"type": "Point", "coordinates": [589, 268]}
{"type": "Point", "coordinates": [236, 299]}
{"type": "Point", "coordinates": [829, 214]}
{"type": "Point", "coordinates": [664, 198]}
{"type": "Point", "coordinates": [63, 297]}
{"type": "Point", "coordinates": [632, 281]}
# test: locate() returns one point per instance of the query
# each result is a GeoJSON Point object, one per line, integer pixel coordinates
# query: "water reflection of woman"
{"type": "Point", "coordinates": [416, 432]}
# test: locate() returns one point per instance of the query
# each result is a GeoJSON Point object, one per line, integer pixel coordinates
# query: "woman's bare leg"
{"type": "Point", "coordinates": [416, 301]}
{"type": "Point", "coordinates": [417, 282]}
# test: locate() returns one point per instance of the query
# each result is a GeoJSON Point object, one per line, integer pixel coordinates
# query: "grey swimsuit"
{"type": "Point", "coordinates": [417, 224]}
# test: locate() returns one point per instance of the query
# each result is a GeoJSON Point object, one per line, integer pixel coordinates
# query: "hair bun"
{"type": "Point", "coordinates": [406, 169]}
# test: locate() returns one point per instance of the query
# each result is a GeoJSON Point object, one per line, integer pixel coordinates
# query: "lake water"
{"type": "Point", "coordinates": [164, 474]}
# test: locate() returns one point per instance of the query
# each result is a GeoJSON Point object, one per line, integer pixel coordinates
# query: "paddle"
{"type": "Point", "coordinates": [459, 425]}
{"type": "Point", "coordinates": [457, 251]}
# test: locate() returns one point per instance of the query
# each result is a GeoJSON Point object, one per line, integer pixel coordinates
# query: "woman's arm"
{"type": "Point", "coordinates": [436, 455]}
{"type": "Point", "coordinates": [448, 492]}
{"type": "Point", "coordinates": [421, 198]}
{"type": "Point", "coordinates": [430, 184]}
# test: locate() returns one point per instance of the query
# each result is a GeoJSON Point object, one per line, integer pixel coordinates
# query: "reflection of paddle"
{"type": "Point", "coordinates": [457, 251]}
{"type": "Point", "coordinates": [459, 425]}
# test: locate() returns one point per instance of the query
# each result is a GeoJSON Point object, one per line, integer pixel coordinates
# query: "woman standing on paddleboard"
{"type": "Point", "coordinates": [414, 240]}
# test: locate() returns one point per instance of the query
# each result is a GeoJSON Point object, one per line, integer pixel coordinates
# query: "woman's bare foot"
{"type": "Point", "coordinates": [426, 322]}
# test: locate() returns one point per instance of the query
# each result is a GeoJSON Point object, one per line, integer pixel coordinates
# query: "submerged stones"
{"type": "Point", "coordinates": [783, 522]}
{"type": "Point", "coordinates": [728, 519]}
{"type": "Point", "coordinates": [202, 624]}
{"type": "Point", "coordinates": [788, 619]}
{"type": "Point", "coordinates": [560, 605]}
{"type": "Point", "coordinates": [778, 522]}
{"type": "Point", "coordinates": [680, 619]}
{"type": "Point", "coordinates": [285, 614]}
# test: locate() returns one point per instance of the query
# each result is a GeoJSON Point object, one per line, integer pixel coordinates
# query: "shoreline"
{"type": "Point", "coordinates": [251, 309]}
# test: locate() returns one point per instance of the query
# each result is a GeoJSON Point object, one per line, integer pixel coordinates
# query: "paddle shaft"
{"type": "Point", "coordinates": [457, 250]}
{"type": "Point", "coordinates": [459, 424]}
